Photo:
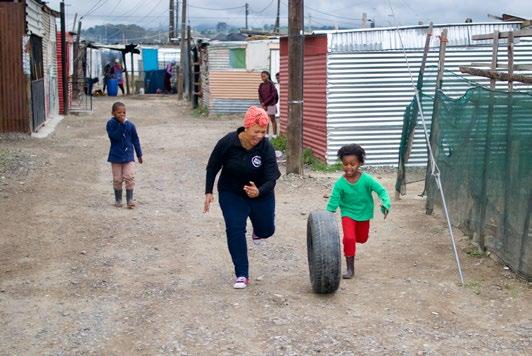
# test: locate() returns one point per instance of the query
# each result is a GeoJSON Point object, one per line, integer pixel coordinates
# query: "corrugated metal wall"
{"type": "Point", "coordinates": [233, 92]}
{"type": "Point", "coordinates": [314, 93]}
{"type": "Point", "coordinates": [69, 41]}
{"type": "Point", "coordinates": [410, 37]}
{"type": "Point", "coordinates": [219, 56]}
{"type": "Point", "coordinates": [228, 90]}
{"type": "Point", "coordinates": [13, 97]}
{"type": "Point", "coordinates": [46, 59]}
{"type": "Point", "coordinates": [231, 106]}
{"type": "Point", "coordinates": [367, 92]}
{"type": "Point", "coordinates": [234, 85]}
{"type": "Point", "coordinates": [51, 69]}
{"type": "Point", "coordinates": [34, 18]}
{"type": "Point", "coordinates": [204, 76]}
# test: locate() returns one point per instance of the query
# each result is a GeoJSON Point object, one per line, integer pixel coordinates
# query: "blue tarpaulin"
{"type": "Point", "coordinates": [149, 58]}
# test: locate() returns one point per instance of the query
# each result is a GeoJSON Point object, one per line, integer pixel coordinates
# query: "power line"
{"type": "Point", "coordinates": [151, 11]}
{"type": "Point", "coordinates": [265, 8]}
{"type": "Point", "coordinates": [219, 9]}
{"type": "Point", "coordinates": [95, 7]}
{"type": "Point", "coordinates": [328, 14]}
{"type": "Point", "coordinates": [114, 8]}
{"type": "Point", "coordinates": [135, 7]}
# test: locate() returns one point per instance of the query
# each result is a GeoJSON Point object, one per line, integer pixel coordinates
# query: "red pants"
{"type": "Point", "coordinates": [354, 232]}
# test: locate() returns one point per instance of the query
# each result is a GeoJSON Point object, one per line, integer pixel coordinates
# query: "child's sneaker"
{"type": "Point", "coordinates": [241, 283]}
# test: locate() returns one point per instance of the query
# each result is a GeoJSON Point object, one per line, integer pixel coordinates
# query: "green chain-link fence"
{"type": "Point", "coordinates": [484, 152]}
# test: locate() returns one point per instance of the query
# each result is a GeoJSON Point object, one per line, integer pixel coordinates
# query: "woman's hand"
{"type": "Point", "coordinates": [251, 190]}
{"type": "Point", "coordinates": [209, 198]}
{"type": "Point", "coordinates": [141, 161]}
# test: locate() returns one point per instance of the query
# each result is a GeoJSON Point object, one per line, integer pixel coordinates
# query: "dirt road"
{"type": "Point", "coordinates": [79, 276]}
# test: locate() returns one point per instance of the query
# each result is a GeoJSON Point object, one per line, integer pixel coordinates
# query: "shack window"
{"type": "Point", "coordinates": [237, 58]}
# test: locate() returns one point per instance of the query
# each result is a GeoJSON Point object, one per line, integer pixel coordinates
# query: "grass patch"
{"type": "Point", "coordinates": [6, 160]}
{"type": "Point", "coordinates": [200, 111]}
{"type": "Point", "coordinates": [474, 252]}
{"type": "Point", "coordinates": [475, 286]}
{"type": "Point", "coordinates": [316, 165]}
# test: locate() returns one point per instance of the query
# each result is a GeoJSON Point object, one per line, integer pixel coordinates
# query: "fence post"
{"type": "Point", "coordinates": [487, 149]}
{"type": "Point", "coordinates": [430, 184]}
{"type": "Point", "coordinates": [509, 149]}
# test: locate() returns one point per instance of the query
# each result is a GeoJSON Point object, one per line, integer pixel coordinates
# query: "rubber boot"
{"type": "Point", "coordinates": [129, 198]}
{"type": "Point", "coordinates": [350, 262]}
{"type": "Point", "coordinates": [118, 198]}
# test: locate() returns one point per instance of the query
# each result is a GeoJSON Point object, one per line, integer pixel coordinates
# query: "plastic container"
{"type": "Point", "coordinates": [112, 87]}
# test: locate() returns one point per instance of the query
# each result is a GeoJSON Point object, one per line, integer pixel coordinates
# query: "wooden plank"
{"type": "Point", "coordinates": [493, 74]}
{"type": "Point", "coordinates": [494, 56]}
{"type": "Point", "coordinates": [430, 183]}
{"type": "Point", "coordinates": [510, 61]}
{"type": "Point", "coordinates": [509, 149]}
{"type": "Point", "coordinates": [483, 203]}
{"type": "Point", "coordinates": [516, 67]}
{"type": "Point", "coordinates": [490, 36]}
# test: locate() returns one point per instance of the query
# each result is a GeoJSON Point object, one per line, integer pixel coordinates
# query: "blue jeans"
{"type": "Point", "coordinates": [236, 209]}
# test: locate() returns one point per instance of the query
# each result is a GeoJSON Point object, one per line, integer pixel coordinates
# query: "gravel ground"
{"type": "Point", "coordinates": [78, 276]}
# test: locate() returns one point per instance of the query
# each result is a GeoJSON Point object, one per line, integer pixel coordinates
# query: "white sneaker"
{"type": "Point", "coordinates": [241, 283]}
{"type": "Point", "coordinates": [257, 241]}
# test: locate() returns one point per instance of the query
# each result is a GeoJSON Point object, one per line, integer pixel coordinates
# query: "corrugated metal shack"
{"type": "Point", "coordinates": [230, 73]}
{"type": "Point", "coordinates": [315, 91]}
{"type": "Point", "coordinates": [28, 70]}
{"type": "Point", "coordinates": [369, 85]}
{"type": "Point", "coordinates": [69, 39]}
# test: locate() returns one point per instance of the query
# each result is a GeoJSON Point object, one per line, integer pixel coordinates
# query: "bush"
{"type": "Point", "coordinates": [315, 164]}
{"type": "Point", "coordinates": [279, 143]}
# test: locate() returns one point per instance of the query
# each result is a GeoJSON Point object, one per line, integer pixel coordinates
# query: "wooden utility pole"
{"type": "Point", "coordinates": [64, 72]}
{"type": "Point", "coordinates": [76, 61]}
{"type": "Point", "coordinates": [125, 71]}
{"type": "Point", "coordinates": [74, 23]}
{"type": "Point", "coordinates": [133, 73]}
{"type": "Point", "coordinates": [247, 13]}
{"type": "Point", "coordinates": [181, 78]}
{"type": "Point", "coordinates": [277, 25]}
{"type": "Point", "coordinates": [189, 66]}
{"type": "Point", "coordinates": [171, 21]}
{"type": "Point", "coordinates": [430, 183]}
{"type": "Point", "coordinates": [294, 158]}
{"type": "Point", "coordinates": [176, 11]}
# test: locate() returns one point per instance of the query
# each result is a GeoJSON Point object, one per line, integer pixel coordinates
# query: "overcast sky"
{"type": "Point", "coordinates": [346, 13]}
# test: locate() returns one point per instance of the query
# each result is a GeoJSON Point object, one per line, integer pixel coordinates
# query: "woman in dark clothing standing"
{"type": "Point", "coordinates": [268, 98]}
{"type": "Point", "coordinates": [246, 187]}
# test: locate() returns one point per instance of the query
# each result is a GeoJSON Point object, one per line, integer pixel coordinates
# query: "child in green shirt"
{"type": "Point", "coordinates": [352, 193]}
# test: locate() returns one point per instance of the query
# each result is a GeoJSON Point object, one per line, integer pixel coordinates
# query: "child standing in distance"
{"type": "Point", "coordinates": [124, 139]}
{"type": "Point", "coordinates": [268, 98]}
{"type": "Point", "coordinates": [352, 193]}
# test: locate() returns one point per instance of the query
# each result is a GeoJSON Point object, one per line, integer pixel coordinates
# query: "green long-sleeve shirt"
{"type": "Point", "coordinates": [355, 199]}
